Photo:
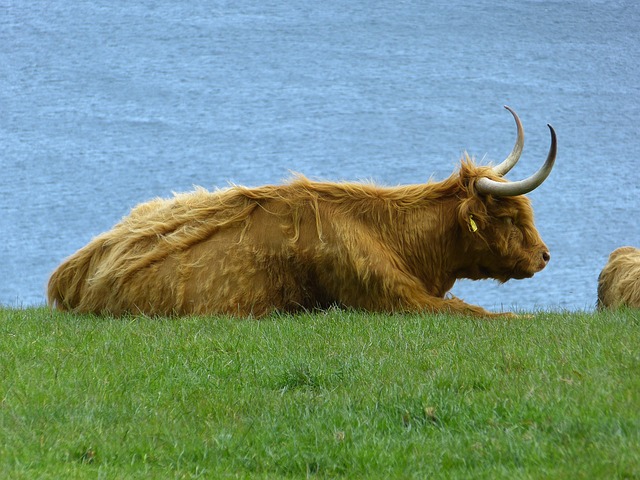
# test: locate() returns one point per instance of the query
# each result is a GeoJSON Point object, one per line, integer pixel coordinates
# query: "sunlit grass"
{"type": "Point", "coordinates": [326, 395]}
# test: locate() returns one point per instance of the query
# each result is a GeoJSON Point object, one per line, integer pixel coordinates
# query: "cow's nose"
{"type": "Point", "coordinates": [546, 256]}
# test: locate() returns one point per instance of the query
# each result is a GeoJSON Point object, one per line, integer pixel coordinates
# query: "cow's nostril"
{"type": "Point", "coordinates": [546, 256]}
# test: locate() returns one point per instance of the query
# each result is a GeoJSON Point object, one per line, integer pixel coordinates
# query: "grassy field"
{"type": "Point", "coordinates": [336, 394]}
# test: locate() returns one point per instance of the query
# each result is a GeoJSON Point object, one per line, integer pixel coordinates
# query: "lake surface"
{"type": "Point", "coordinates": [108, 104]}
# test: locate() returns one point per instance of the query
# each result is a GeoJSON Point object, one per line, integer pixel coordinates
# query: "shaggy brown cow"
{"type": "Point", "coordinates": [619, 281]}
{"type": "Point", "coordinates": [307, 245]}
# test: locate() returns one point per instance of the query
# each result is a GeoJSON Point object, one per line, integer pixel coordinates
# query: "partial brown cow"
{"type": "Point", "coordinates": [308, 245]}
{"type": "Point", "coordinates": [619, 281]}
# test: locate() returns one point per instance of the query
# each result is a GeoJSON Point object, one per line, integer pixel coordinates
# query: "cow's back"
{"type": "Point", "coordinates": [198, 253]}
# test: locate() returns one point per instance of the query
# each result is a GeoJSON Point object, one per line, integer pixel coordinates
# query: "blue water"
{"type": "Point", "coordinates": [107, 104]}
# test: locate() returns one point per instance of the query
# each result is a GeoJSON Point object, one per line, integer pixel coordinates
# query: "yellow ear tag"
{"type": "Point", "coordinates": [472, 224]}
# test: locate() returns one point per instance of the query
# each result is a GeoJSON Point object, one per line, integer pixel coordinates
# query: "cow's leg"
{"type": "Point", "coordinates": [457, 306]}
{"type": "Point", "coordinates": [409, 294]}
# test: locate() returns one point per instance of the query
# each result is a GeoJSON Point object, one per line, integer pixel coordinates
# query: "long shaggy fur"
{"type": "Point", "coordinates": [619, 281]}
{"type": "Point", "coordinates": [303, 245]}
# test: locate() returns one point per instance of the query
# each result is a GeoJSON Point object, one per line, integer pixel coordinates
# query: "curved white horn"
{"type": "Point", "coordinates": [511, 189]}
{"type": "Point", "coordinates": [508, 163]}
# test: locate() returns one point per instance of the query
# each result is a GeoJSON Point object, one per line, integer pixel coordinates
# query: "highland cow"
{"type": "Point", "coordinates": [619, 281]}
{"type": "Point", "coordinates": [311, 245]}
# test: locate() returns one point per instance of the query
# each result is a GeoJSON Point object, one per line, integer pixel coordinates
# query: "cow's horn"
{"type": "Point", "coordinates": [511, 189]}
{"type": "Point", "coordinates": [514, 156]}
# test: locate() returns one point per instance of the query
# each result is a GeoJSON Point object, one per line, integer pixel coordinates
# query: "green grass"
{"type": "Point", "coordinates": [336, 394]}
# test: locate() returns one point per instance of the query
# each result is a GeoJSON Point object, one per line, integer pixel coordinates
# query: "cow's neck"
{"type": "Point", "coordinates": [426, 239]}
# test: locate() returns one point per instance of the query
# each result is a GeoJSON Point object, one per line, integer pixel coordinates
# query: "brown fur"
{"type": "Point", "coordinates": [303, 245]}
{"type": "Point", "coordinates": [619, 281]}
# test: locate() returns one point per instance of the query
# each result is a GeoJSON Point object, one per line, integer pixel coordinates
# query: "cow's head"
{"type": "Point", "coordinates": [497, 219]}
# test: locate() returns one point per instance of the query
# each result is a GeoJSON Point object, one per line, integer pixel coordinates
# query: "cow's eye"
{"type": "Point", "coordinates": [508, 220]}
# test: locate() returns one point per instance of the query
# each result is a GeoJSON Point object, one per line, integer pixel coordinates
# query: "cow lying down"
{"type": "Point", "coordinates": [619, 280]}
{"type": "Point", "coordinates": [307, 245]}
